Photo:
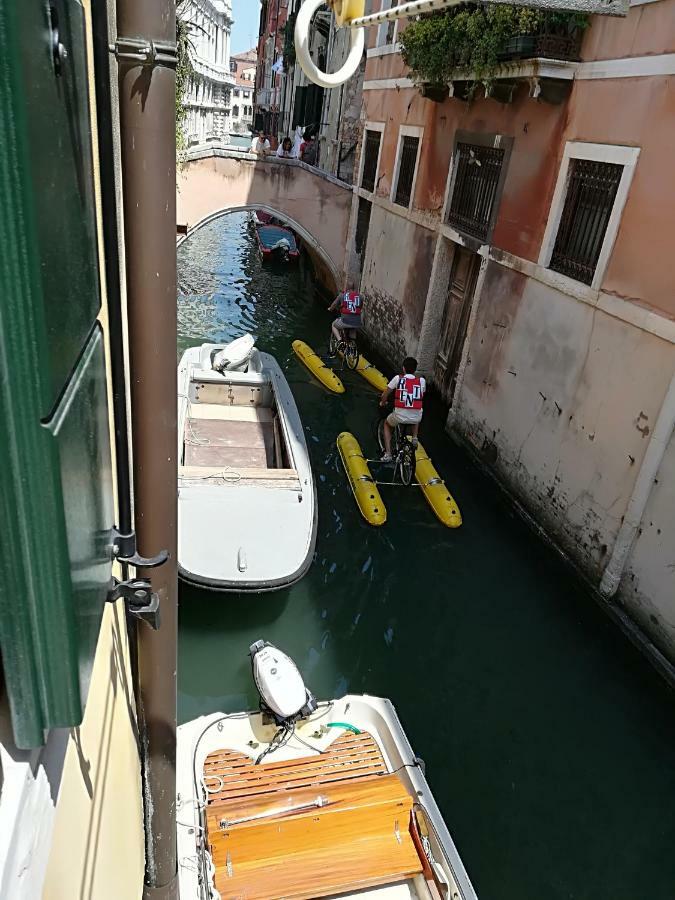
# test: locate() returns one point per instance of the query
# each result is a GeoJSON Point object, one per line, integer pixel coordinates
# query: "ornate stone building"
{"type": "Point", "coordinates": [209, 93]}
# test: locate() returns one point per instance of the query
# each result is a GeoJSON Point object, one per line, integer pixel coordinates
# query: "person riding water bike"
{"type": "Point", "coordinates": [408, 390]}
{"type": "Point", "coordinates": [350, 304]}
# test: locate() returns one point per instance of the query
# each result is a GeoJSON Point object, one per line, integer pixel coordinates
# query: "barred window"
{"type": "Point", "coordinates": [591, 191]}
{"type": "Point", "coordinates": [406, 170]}
{"type": "Point", "coordinates": [371, 151]}
{"type": "Point", "coordinates": [477, 174]}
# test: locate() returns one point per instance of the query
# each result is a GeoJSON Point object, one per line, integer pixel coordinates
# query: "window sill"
{"type": "Point", "coordinates": [384, 50]}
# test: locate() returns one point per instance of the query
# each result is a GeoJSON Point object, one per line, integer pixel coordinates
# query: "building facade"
{"type": "Point", "coordinates": [514, 237]}
{"type": "Point", "coordinates": [243, 69]}
{"type": "Point", "coordinates": [286, 98]}
{"type": "Point", "coordinates": [208, 99]}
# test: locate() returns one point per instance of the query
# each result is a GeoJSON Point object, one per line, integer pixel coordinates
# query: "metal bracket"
{"type": "Point", "coordinates": [124, 550]}
{"type": "Point", "coordinates": [148, 52]}
{"type": "Point", "coordinates": [140, 600]}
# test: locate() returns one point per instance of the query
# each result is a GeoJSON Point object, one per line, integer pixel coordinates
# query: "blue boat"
{"type": "Point", "coordinates": [276, 242]}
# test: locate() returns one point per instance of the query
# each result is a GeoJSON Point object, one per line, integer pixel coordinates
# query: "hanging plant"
{"type": "Point", "coordinates": [184, 71]}
{"type": "Point", "coordinates": [438, 46]}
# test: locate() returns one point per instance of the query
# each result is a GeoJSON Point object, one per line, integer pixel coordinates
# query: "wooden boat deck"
{"type": "Point", "coordinates": [214, 442]}
{"type": "Point", "coordinates": [322, 825]}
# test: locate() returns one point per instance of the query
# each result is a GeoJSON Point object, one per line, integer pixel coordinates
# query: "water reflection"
{"type": "Point", "coordinates": [549, 743]}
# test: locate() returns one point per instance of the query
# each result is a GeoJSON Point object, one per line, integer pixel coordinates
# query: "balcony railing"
{"type": "Point", "coordinates": [552, 42]}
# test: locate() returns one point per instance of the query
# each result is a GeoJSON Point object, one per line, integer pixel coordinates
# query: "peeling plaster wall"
{"type": "Point", "coordinates": [399, 257]}
{"type": "Point", "coordinates": [648, 588]}
{"type": "Point", "coordinates": [562, 384]}
{"type": "Point", "coordinates": [560, 399]}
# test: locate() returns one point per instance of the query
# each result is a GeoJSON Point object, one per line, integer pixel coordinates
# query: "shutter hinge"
{"type": "Point", "coordinates": [124, 551]}
{"type": "Point", "coordinates": [147, 52]}
{"type": "Point", "coordinates": [141, 602]}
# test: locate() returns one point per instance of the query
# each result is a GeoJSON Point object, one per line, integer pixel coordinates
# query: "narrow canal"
{"type": "Point", "coordinates": [549, 743]}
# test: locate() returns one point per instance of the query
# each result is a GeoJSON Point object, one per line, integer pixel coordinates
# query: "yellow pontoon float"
{"type": "Point", "coordinates": [436, 493]}
{"type": "Point", "coordinates": [318, 368]}
{"type": "Point", "coordinates": [372, 375]}
{"type": "Point", "coordinates": [362, 483]}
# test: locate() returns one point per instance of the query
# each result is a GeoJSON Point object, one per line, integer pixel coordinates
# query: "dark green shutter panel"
{"type": "Point", "coordinates": [56, 491]}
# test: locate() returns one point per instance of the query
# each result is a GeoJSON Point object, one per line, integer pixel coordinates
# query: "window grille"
{"type": "Point", "coordinates": [406, 170]}
{"type": "Point", "coordinates": [591, 191]}
{"type": "Point", "coordinates": [371, 150]}
{"type": "Point", "coordinates": [478, 170]}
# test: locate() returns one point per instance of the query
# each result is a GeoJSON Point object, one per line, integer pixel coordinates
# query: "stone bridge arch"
{"type": "Point", "coordinates": [214, 182]}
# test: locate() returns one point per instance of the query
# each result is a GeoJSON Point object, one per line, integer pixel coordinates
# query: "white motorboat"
{"type": "Point", "coordinates": [246, 495]}
{"type": "Point", "coordinates": [305, 800]}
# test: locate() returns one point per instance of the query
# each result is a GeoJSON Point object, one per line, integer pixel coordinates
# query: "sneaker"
{"type": "Point", "coordinates": [386, 457]}
{"type": "Point", "coordinates": [415, 443]}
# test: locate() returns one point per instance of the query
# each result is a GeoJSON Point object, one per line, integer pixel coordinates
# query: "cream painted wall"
{"type": "Point", "coordinates": [97, 848]}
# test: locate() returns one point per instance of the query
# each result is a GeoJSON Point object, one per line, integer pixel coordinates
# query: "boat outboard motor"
{"type": "Point", "coordinates": [282, 691]}
{"type": "Point", "coordinates": [283, 247]}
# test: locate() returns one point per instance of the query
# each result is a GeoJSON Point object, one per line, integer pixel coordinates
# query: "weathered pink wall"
{"type": "Point", "coordinates": [626, 111]}
{"type": "Point", "coordinates": [319, 204]}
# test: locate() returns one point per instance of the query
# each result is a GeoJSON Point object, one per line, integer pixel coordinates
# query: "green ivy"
{"type": "Point", "coordinates": [288, 32]}
{"type": "Point", "coordinates": [183, 72]}
{"type": "Point", "coordinates": [471, 38]}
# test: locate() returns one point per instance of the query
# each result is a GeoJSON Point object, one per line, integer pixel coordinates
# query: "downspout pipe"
{"type": "Point", "coordinates": [649, 470]}
{"type": "Point", "coordinates": [147, 84]}
{"type": "Point", "coordinates": [111, 234]}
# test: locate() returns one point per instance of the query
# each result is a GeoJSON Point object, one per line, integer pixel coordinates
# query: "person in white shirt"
{"type": "Point", "coordinates": [285, 149]}
{"type": "Point", "coordinates": [260, 144]}
{"type": "Point", "coordinates": [408, 390]}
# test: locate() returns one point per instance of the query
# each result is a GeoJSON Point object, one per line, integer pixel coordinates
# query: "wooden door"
{"type": "Point", "coordinates": [455, 320]}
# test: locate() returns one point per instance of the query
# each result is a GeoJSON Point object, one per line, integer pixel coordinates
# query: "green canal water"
{"type": "Point", "coordinates": [549, 742]}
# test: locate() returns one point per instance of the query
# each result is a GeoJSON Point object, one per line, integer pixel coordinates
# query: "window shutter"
{"type": "Point", "coordinates": [56, 495]}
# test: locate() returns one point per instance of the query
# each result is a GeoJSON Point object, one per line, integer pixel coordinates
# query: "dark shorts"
{"type": "Point", "coordinates": [349, 322]}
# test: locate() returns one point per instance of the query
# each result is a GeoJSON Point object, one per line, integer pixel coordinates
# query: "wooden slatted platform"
{"type": "Point", "coordinates": [357, 838]}
{"type": "Point", "coordinates": [350, 756]}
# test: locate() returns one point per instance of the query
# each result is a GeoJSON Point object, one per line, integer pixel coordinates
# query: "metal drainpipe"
{"type": "Point", "coordinates": [112, 263]}
{"type": "Point", "coordinates": [148, 140]}
{"type": "Point", "coordinates": [649, 470]}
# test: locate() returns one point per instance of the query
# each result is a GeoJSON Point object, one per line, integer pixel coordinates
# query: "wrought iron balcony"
{"type": "Point", "coordinates": [552, 41]}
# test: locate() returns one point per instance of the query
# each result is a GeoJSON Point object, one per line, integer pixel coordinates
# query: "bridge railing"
{"type": "Point", "coordinates": [205, 151]}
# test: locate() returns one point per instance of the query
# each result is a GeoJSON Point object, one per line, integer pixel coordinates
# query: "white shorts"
{"type": "Point", "coordinates": [405, 417]}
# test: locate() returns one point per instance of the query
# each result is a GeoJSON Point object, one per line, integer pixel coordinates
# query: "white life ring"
{"type": "Point", "coordinates": [325, 79]}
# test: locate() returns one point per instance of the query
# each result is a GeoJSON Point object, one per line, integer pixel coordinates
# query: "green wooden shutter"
{"type": "Point", "coordinates": [56, 508]}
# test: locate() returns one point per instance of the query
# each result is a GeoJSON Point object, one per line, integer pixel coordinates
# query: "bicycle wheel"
{"type": "Point", "coordinates": [333, 345]}
{"type": "Point", "coordinates": [407, 462]}
{"type": "Point", "coordinates": [351, 354]}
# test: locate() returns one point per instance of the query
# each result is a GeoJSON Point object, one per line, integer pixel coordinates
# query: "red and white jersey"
{"type": "Point", "coordinates": [408, 391]}
{"type": "Point", "coordinates": [351, 304]}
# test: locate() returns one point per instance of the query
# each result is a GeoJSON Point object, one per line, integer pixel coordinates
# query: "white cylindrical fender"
{"type": "Point", "coordinates": [325, 79]}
